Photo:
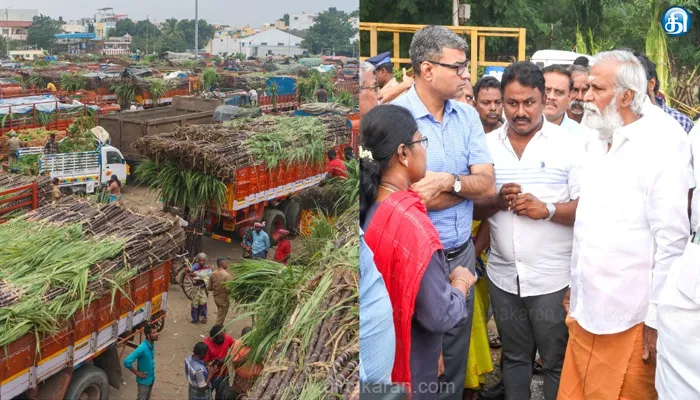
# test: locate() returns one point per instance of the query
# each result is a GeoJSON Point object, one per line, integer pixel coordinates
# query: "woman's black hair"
{"type": "Point", "coordinates": [116, 179]}
{"type": "Point", "coordinates": [382, 130]}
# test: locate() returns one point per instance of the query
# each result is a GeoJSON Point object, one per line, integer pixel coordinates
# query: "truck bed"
{"type": "Point", "coordinates": [88, 334]}
{"type": "Point", "coordinates": [127, 127]}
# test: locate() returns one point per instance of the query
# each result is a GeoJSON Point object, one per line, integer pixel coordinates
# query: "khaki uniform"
{"type": "Point", "coordinates": [13, 144]}
{"type": "Point", "coordinates": [220, 292]}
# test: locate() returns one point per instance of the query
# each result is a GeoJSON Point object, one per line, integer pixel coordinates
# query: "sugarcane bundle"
{"type": "Point", "coordinates": [56, 259]}
{"type": "Point", "coordinates": [220, 150]}
{"type": "Point", "coordinates": [12, 181]}
{"type": "Point", "coordinates": [306, 317]}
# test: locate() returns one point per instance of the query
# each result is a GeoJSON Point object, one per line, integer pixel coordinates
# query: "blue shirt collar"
{"type": "Point", "coordinates": [419, 109]}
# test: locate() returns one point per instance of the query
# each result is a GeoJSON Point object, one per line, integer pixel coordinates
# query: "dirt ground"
{"type": "Point", "coordinates": [179, 335]}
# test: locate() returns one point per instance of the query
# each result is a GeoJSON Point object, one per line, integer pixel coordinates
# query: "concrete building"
{"type": "Point", "coordinates": [117, 45]}
{"type": "Point", "coordinates": [302, 22]}
{"type": "Point", "coordinates": [270, 42]}
{"type": "Point", "coordinates": [74, 28]}
{"type": "Point", "coordinates": [355, 22]}
{"type": "Point", "coordinates": [14, 23]}
{"type": "Point", "coordinates": [106, 19]}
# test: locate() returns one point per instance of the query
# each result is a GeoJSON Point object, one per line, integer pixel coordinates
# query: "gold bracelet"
{"type": "Point", "coordinates": [469, 287]}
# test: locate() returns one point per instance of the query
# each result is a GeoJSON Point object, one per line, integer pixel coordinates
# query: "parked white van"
{"type": "Point", "coordinates": [544, 58]}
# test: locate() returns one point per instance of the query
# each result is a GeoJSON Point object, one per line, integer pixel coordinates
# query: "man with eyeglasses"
{"type": "Point", "coordinates": [369, 91]}
{"type": "Point", "coordinates": [459, 165]}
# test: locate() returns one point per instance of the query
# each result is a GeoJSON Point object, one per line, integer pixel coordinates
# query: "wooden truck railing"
{"type": "Point", "coordinates": [26, 199]}
{"type": "Point", "coordinates": [477, 41]}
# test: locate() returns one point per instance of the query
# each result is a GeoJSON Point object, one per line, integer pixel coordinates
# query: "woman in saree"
{"type": "Point", "coordinates": [427, 299]}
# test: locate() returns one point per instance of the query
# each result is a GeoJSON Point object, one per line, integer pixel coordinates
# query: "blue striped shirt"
{"type": "Point", "coordinates": [453, 146]}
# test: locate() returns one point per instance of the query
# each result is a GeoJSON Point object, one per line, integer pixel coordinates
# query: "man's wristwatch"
{"type": "Point", "coordinates": [551, 209]}
{"type": "Point", "coordinates": [457, 186]}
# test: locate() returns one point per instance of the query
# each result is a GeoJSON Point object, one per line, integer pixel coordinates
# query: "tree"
{"type": "Point", "coordinates": [173, 42]}
{"type": "Point", "coordinates": [146, 28]}
{"type": "Point", "coordinates": [170, 27]}
{"type": "Point", "coordinates": [42, 31]}
{"type": "Point", "coordinates": [91, 29]}
{"type": "Point", "coordinates": [285, 18]}
{"type": "Point", "coordinates": [206, 32]}
{"type": "Point", "coordinates": [331, 31]}
{"type": "Point", "coordinates": [125, 26]}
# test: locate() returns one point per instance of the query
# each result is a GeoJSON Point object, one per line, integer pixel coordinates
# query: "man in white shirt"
{"type": "Point", "coordinates": [579, 75]}
{"type": "Point", "coordinates": [559, 87]}
{"type": "Point", "coordinates": [694, 137]}
{"type": "Point", "coordinates": [253, 94]}
{"type": "Point", "coordinates": [631, 224]}
{"type": "Point", "coordinates": [531, 219]}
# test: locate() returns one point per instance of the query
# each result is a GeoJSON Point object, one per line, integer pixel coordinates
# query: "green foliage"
{"type": "Point", "coordinates": [209, 78]}
{"type": "Point", "coordinates": [307, 87]}
{"type": "Point", "coordinates": [73, 82]}
{"type": "Point", "coordinates": [206, 32]}
{"type": "Point", "coordinates": [77, 144]}
{"type": "Point", "coordinates": [181, 188]}
{"type": "Point", "coordinates": [174, 43]}
{"type": "Point", "coordinates": [157, 88]}
{"type": "Point", "coordinates": [345, 98]}
{"type": "Point", "coordinates": [125, 92]}
{"type": "Point", "coordinates": [35, 81]}
{"type": "Point", "coordinates": [331, 31]}
{"type": "Point", "coordinates": [42, 31]}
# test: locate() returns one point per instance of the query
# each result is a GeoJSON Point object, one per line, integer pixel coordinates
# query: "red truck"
{"type": "Point", "coordinates": [83, 359]}
{"type": "Point", "coordinates": [261, 193]}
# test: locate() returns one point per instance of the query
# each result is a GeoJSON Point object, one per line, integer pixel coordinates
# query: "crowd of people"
{"type": "Point", "coordinates": [556, 200]}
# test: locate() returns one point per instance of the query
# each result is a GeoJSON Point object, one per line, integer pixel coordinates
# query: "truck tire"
{"type": "Point", "coordinates": [88, 381]}
{"type": "Point", "coordinates": [293, 215]}
{"type": "Point", "coordinates": [284, 206]}
{"type": "Point", "coordinates": [274, 221]}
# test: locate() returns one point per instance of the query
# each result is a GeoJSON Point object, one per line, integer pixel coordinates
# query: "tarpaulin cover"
{"type": "Point", "coordinates": [45, 103]}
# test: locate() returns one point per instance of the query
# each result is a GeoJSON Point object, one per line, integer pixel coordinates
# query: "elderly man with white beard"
{"type": "Point", "coordinates": [631, 224]}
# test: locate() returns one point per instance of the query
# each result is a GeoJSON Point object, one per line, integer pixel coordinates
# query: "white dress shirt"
{"type": "Point", "coordinates": [582, 132]}
{"type": "Point", "coordinates": [535, 252]}
{"type": "Point", "coordinates": [631, 224]}
{"type": "Point", "coordinates": [694, 136]}
{"type": "Point", "coordinates": [672, 131]}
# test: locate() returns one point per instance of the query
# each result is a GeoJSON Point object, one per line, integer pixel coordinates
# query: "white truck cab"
{"type": "Point", "coordinates": [82, 172]}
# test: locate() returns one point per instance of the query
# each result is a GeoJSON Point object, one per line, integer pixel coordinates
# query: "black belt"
{"type": "Point", "coordinates": [453, 253]}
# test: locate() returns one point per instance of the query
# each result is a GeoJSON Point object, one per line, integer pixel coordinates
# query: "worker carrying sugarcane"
{"type": "Point", "coordinates": [13, 144]}
{"type": "Point", "coordinates": [336, 167]}
{"type": "Point", "coordinates": [261, 242]}
{"type": "Point", "coordinates": [284, 248]}
{"type": "Point", "coordinates": [51, 87]}
{"type": "Point", "coordinates": [244, 369]}
{"type": "Point", "coordinates": [217, 284]}
{"type": "Point", "coordinates": [55, 190]}
{"type": "Point", "coordinates": [322, 94]}
{"type": "Point", "coordinates": [200, 274]}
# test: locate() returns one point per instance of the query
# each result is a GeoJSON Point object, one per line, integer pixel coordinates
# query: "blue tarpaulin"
{"type": "Point", "coordinates": [46, 103]}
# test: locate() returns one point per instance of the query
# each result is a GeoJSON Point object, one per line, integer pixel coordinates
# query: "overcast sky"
{"type": "Point", "coordinates": [232, 12]}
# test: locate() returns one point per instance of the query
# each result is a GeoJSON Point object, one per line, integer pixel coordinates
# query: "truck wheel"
{"type": "Point", "coordinates": [292, 215]}
{"type": "Point", "coordinates": [88, 383]}
{"type": "Point", "coordinates": [274, 221]}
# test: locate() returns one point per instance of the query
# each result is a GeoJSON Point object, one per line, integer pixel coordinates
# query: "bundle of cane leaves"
{"type": "Point", "coordinates": [39, 258]}
{"type": "Point", "coordinates": [318, 344]}
{"type": "Point", "coordinates": [78, 143]}
{"type": "Point", "coordinates": [293, 140]}
{"type": "Point", "coordinates": [182, 188]}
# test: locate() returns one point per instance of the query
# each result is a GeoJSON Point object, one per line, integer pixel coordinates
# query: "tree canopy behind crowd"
{"type": "Point", "coordinates": [585, 26]}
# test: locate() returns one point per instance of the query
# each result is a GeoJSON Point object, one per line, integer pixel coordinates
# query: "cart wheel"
{"type": "Point", "coordinates": [159, 324]}
{"type": "Point", "coordinates": [189, 288]}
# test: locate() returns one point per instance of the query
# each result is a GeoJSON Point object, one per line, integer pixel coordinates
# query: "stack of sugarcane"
{"type": "Point", "coordinates": [219, 150]}
{"type": "Point", "coordinates": [56, 259]}
{"type": "Point", "coordinates": [11, 181]}
{"type": "Point", "coordinates": [307, 323]}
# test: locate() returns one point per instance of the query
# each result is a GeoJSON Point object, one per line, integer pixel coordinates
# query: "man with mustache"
{"type": "Point", "coordinates": [489, 103]}
{"type": "Point", "coordinates": [579, 74]}
{"type": "Point", "coordinates": [459, 166]}
{"type": "Point", "coordinates": [631, 224]}
{"type": "Point", "coordinates": [558, 87]}
{"type": "Point", "coordinates": [538, 169]}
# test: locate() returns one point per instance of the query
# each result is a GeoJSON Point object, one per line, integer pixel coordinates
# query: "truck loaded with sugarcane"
{"type": "Point", "coordinates": [229, 175]}
{"type": "Point", "coordinates": [85, 281]}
